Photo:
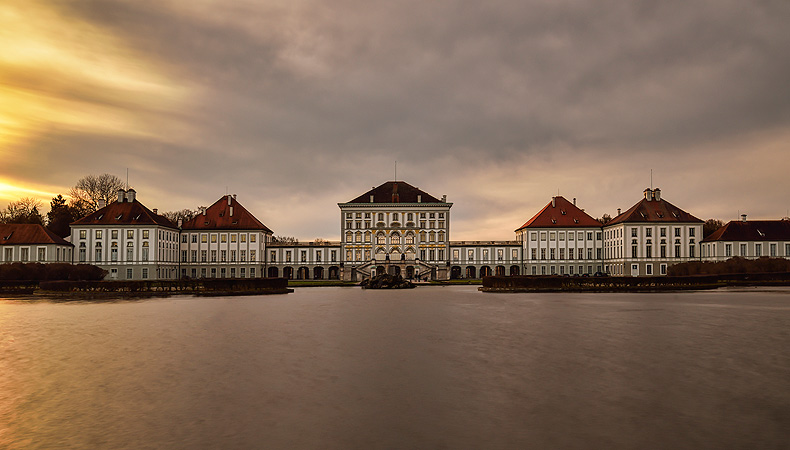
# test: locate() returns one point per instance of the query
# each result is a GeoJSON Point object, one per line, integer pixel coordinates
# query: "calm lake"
{"type": "Point", "coordinates": [432, 367]}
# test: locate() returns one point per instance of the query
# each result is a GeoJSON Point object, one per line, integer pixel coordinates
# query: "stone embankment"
{"type": "Point", "coordinates": [629, 284]}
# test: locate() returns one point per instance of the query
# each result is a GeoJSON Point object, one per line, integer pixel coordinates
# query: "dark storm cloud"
{"type": "Point", "coordinates": [315, 100]}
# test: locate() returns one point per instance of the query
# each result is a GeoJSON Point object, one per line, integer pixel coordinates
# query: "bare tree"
{"type": "Point", "coordinates": [284, 240]}
{"type": "Point", "coordinates": [184, 214]}
{"type": "Point", "coordinates": [90, 189]}
{"type": "Point", "coordinates": [24, 210]}
{"type": "Point", "coordinates": [606, 218]}
{"type": "Point", "coordinates": [710, 226]}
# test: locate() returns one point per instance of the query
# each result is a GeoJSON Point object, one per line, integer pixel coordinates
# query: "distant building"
{"type": "Point", "coordinates": [748, 239]}
{"type": "Point", "coordinates": [477, 259]}
{"type": "Point", "coordinates": [305, 260]}
{"type": "Point", "coordinates": [32, 243]}
{"type": "Point", "coordinates": [128, 240]}
{"type": "Point", "coordinates": [650, 236]}
{"type": "Point", "coordinates": [224, 241]}
{"type": "Point", "coordinates": [396, 228]}
{"type": "Point", "coordinates": [561, 239]}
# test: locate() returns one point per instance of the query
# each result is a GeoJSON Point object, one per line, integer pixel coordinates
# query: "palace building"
{"type": "Point", "coordinates": [561, 239]}
{"type": "Point", "coordinates": [750, 239]}
{"type": "Point", "coordinates": [395, 228]}
{"type": "Point", "coordinates": [224, 241]}
{"type": "Point", "coordinates": [128, 240]}
{"type": "Point", "coordinates": [27, 242]}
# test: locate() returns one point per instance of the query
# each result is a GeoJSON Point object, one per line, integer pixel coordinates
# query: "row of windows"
{"type": "Point", "coordinates": [395, 238]}
{"type": "Point", "coordinates": [710, 250]}
{"type": "Point", "coordinates": [192, 256]}
{"type": "Point", "coordinates": [358, 224]}
{"type": "Point", "coordinates": [24, 254]}
{"type": "Point", "coordinates": [571, 235]}
{"type": "Point", "coordinates": [223, 272]}
{"type": "Point", "coordinates": [223, 237]}
{"type": "Point", "coordinates": [98, 234]}
{"type": "Point", "coordinates": [303, 256]}
{"type": "Point", "coordinates": [552, 254]}
{"type": "Point", "coordinates": [395, 216]}
{"type": "Point", "coordinates": [563, 270]}
{"type": "Point", "coordinates": [500, 254]}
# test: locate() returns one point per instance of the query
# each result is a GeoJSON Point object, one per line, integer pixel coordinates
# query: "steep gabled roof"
{"type": "Point", "coordinates": [752, 230]}
{"type": "Point", "coordinates": [560, 213]}
{"type": "Point", "coordinates": [225, 214]}
{"type": "Point", "coordinates": [28, 233]}
{"type": "Point", "coordinates": [396, 192]}
{"type": "Point", "coordinates": [125, 213]}
{"type": "Point", "coordinates": [654, 211]}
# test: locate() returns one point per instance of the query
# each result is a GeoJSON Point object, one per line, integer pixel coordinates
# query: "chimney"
{"type": "Point", "coordinates": [231, 211]}
{"type": "Point", "coordinates": [618, 211]}
{"type": "Point", "coordinates": [395, 196]}
{"type": "Point", "coordinates": [203, 210]}
{"type": "Point", "coordinates": [657, 194]}
{"type": "Point", "coordinates": [419, 198]}
{"type": "Point", "coordinates": [230, 200]}
{"type": "Point", "coordinates": [444, 199]}
{"type": "Point", "coordinates": [121, 196]}
{"type": "Point", "coordinates": [102, 203]}
{"type": "Point", "coordinates": [131, 194]}
{"type": "Point", "coordinates": [743, 217]}
{"type": "Point", "coordinates": [180, 222]}
{"type": "Point", "coordinates": [234, 196]}
{"type": "Point", "coordinates": [648, 194]}
{"type": "Point", "coordinates": [553, 202]}
{"type": "Point", "coordinates": [371, 198]}
{"type": "Point", "coordinates": [156, 211]}
{"type": "Point", "coordinates": [574, 201]}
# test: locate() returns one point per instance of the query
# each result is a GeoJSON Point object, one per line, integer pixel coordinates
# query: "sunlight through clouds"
{"type": "Point", "coordinates": [59, 72]}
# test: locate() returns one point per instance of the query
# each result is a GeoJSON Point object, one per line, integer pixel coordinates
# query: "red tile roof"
{"type": "Point", "coordinates": [562, 214]}
{"type": "Point", "coordinates": [395, 192]}
{"type": "Point", "coordinates": [654, 211]}
{"type": "Point", "coordinates": [125, 213]}
{"type": "Point", "coordinates": [218, 217]}
{"type": "Point", "coordinates": [28, 233]}
{"type": "Point", "coordinates": [752, 230]}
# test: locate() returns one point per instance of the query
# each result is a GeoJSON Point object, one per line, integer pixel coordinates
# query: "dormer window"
{"type": "Point", "coordinates": [575, 220]}
{"type": "Point", "coordinates": [760, 233]}
{"type": "Point", "coordinates": [138, 217]}
{"type": "Point", "coordinates": [562, 211]}
{"type": "Point", "coordinates": [553, 220]}
{"type": "Point", "coordinates": [119, 217]}
{"type": "Point", "coordinates": [100, 216]}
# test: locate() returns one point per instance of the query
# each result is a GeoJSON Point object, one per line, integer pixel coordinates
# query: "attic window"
{"type": "Point", "coordinates": [9, 236]}
{"type": "Point", "coordinates": [206, 223]}
{"type": "Point", "coordinates": [760, 233]}
{"type": "Point", "coordinates": [644, 216]}
{"type": "Point", "coordinates": [575, 220]}
{"type": "Point", "coordinates": [119, 217]}
{"type": "Point", "coordinates": [562, 211]}
{"type": "Point", "coordinates": [138, 217]}
{"type": "Point", "coordinates": [235, 222]}
{"type": "Point", "coordinates": [675, 213]}
{"type": "Point", "coordinates": [553, 220]}
{"type": "Point", "coordinates": [660, 214]}
{"type": "Point", "coordinates": [220, 214]}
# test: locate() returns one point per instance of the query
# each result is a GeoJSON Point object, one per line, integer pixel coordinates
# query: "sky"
{"type": "Point", "coordinates": [297, 105]}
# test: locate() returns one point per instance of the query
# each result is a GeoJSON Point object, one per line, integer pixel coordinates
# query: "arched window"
{"type": "Point", "coordinates": [423, 236]}
{"type": "Point", "coordinates": [380, 250]}
{"type": "Point", "coordinates": [410, 238]}
{"type": "Point", "coordinates": [441, 236]}
{"type": "Point", "coordinates": [358, 237]}
{"type": "Point", "coordinates": [381, 239]}
{"type": "Point", "coordinates": [395, 239]}
{"type": "Point", "coordinates": [367, 236]}
{"type": "Point", "coordinates": [349, 237]}
{"type": "Point", "coordinates": [432, 236]}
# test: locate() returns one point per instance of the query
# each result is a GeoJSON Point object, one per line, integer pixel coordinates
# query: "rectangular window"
{"type": "Point", "coordinates": [334, 255]}
{"type": "Point", "coordinates": [649, 251]}
{"type": "Point", "coordinates": [213, 238]}
{"type": "Point", "coordinates": [633, 232]}
{"type": "Point", "coordinates": [222, 272]}
{"type": "Point", "coordinates": [743, 250]}
{"type": "Point", "coordinates": [145, 234]}
{"type": "Point", "coordinates": [213, 256]}
{"type": "Point", "coordinates": [223, 255]}
{"type": "Point", "coordinates": [288, 256]}
{"type": "Point", "coordinates": [758, 250]}
{"type": "Point", "coordinates": [128, 274]}
{"type": "Point", "coordinates": [194, 255]}
{"type": "Point", "coordinates": [589, 236]}
{"type": "Point", "coordinates": [677, 232]}
{"type": "Point", "coordinates": [98, 234]}
{"type": "Point", "coordinates": [194, 273]}
{"type": "Point", "coordinates": [470, 255]}
{"type": "Point", "coordinates": [589, 253]}
{"type": "Point", "coordinates": [145, 254]}
{"type": "Point", "coordinates": [677, 251]}
{"type": "Point", "coordinates": [203, 238]}
{"type": "Point", "coordinates": [194, 238]}
{"type": "Point", "coordinates": [728, 250]}
{"type": "Point", "coordinates": [485, 254]}
{"type": "Point", "coordinates": [252, 255]}
{"type": "Point", "coordinates": [691, 232]}
{"type": "Point", "coordinates": [273, 256]}
{"type": "Point", "coordinates": [233, 272]}
{"type": "Point", "coordinates": [145, 273]}
{"type": "Point", "coordinates": [787, 249]}
{"type": "Point", "coordinates": [649, 269]}
{"type": "Point", "coordinates": [570, 253]}
{"type": "Point", "coordinates": [500, 254]}
{"type": "Point", "coordinates": [598, 253]}
{"type": "Point", "coordinates": [243, 272]}
{"type": "Point", "coordinates": [691, 251]}
{"type": "Point", "coordinates": [552, 253]}
{"type": "Point", "coordinates": [252, 238]}
{"type": "Point", "coordinates": [42, 253]}
{"type": "Point", "coordinates": [649, 232]}
{"type": "Point", "coordinates": [543, 253]}
{"type": "Point", "coordinates": [183, 238]}
{"type": "Point", "coordinates": [114, 234]}
{"type": "Point", "coordinates": [223, 238]}
{"type": "Point", "coordinates": [243, 255]}
{"type": "Point", "coordinates": [232, 238]}
{"type": "Point", "coordinates": [633, 251]}
{"type": "Point", "coordinates": [83, 234]}
{"type": "Point", "coordinates": [243, 238]}
{"type": "Point", "coordinates": [233, 256]}
{"type": "Point", "coordinates": [663, 232]}
{"type": "Point", "coordinates": [533, 236]}
{"type": "Point", "coordinates": [213, 272]}
{"type": "Point", "coordinates": [514, 254]}
{"type": "Point", "coordinates": [203, 272]}
{"type": "Point", "coordinates": [533, 253]}
{"type": "Point", "coordinates": [456, 254]}
{"type": "Point", "coordinates": [562, 253]}
{"type": "Point", "coordinates": [534, 270]}
{"type": "Point", "coordinates": [203, 255]}
{"type": "Point", "coordinates": [772, 247]}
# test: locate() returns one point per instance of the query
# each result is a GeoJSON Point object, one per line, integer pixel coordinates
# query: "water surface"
{"type": "Point", "coordinates": [433, 367]}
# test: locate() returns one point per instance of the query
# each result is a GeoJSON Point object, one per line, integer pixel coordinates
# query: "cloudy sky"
{"type": "Point", "coordinates": [296, 105]}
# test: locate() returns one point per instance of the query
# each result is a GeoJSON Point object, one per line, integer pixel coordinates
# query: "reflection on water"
{"type": "Point", "coordinates": [433, 367]}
